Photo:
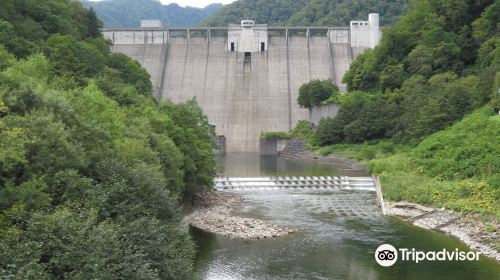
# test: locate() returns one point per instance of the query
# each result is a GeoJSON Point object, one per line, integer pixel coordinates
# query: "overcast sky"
{"type": "Point", "coordinates": [193, 3]}
{"type": "Point", "coordinates": [196, 3]}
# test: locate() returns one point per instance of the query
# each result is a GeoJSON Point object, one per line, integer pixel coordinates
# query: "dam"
{"type": "Point", "coordinates": [245, 77]}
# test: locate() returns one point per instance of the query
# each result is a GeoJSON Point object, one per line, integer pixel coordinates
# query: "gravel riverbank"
{"type": "Point", "coordinates": [478, 235]}
{"type": "Point", "coordinates": [213, 213]}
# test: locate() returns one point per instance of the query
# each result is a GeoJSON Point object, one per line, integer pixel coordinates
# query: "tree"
{"type": "Point", "coordinates": [6, 59]}
{"type": "Point", "coordinates": [92, 167]}
{"type": "Point", "coordinates": [306, 13]}
{"type": "Point", "coordinates": [316, 91]}
{"type": "Point", "coordinates": [132, 72]}
{"type": "Point", "coordinates": [93, 23]}
{"type": "Point", "coordinates": [436, 64]}
{"type": "Point", "coordinates": [70, 57]}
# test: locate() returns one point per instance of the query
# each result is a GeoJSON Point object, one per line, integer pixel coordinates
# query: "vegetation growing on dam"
{"type": "Point", "coordinates": [92, 168]}
{"type": "Point", "coordinates": [275, 134]}
{"type": "Point", "coordinates": [306, 12]}
{"type": "Point", "coordinates": [407, 98]}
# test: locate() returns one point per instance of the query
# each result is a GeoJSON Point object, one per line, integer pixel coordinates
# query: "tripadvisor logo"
{"type": "Point", "coordinates": [388, 255]}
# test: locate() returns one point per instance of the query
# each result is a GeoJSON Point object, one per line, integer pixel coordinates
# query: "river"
{"type": "Point", "coordinates": [338, 234]}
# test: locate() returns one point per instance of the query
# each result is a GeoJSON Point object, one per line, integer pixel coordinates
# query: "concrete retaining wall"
{"type": "Point", "coordinates": [272, 146]}
{"type": "Point", "coordinates": [322, 111]}
{"type": "Point", "coordinates": [221, 144]}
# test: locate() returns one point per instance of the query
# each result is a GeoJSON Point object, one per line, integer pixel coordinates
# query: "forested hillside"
{"type": "Point", "coordinates": [276, 12]}
{"type": "Point", "coordinates": [340, 12]}
{"type": "Point", "coordinates": [407, 99]}
{"type": "Point", "coordinates": [437, 64]}
{"type": "Point", "coordinates": [306, 12]}
{"type": "Point", "coordinates": [92, 168]}
{"type": "Point", "coordinates": [129, 13]}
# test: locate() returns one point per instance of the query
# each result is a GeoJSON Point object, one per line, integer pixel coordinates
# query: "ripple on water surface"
{"type": "Point", "coordinates": [338, 234]}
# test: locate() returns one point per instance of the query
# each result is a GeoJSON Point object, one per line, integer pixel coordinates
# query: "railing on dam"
{"type": "Point", "coordinates": [161, 35]}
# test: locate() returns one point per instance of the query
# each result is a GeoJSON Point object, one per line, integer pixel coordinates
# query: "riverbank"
{"type": "Point", "coordinates": [463, 209]}
{"type": "Point", "coordinates": [212, 212]}
{"type": "Point", "coordinates": [478, 235]}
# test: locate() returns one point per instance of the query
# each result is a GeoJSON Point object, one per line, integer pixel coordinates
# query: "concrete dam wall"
{"type": "Point", "coordinates": [243, 93]}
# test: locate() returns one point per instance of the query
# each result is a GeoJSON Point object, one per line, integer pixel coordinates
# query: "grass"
{"type": "Point", "coordinates": [490, 228]}
{"type": "Point", "coordinates": [275, 134]}
{"type": "Point", "coordinates": [363, 152]}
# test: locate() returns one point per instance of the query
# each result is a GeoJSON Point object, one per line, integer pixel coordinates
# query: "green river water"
{"type": "Point", "coordinates": [338, 232]}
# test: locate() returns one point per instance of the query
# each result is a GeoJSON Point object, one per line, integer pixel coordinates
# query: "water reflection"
{"type": "Point", "coordinates": [252, 164]}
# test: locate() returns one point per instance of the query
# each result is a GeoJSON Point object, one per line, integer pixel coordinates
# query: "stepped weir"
{"type": "Point", "coordinates": [356, 196]}
{"type": "Point", "coordinates": [295, 182]}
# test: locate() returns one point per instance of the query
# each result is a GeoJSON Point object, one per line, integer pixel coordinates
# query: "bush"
{"type": "Point", "coordinates": [467, 149]}
{"type": "Point", "coordinates": [315, 92]}
{"type": "Point", "coordinates": [275, 134]}
{"type": "Point", "coordinates": [464, 196]}
{"type": "Point", "coordinates": [362, 116]}
{"type": "Point", "coordinates": [303, 129]}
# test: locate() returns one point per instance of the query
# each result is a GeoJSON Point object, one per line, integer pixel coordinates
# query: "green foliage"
{"type": "Point", "coordinates": [93, 24]}
{"type": "Point", "coordinates": [129, 13]}
{"type": "Point", "coordinates": [6, 59]}
{"type": "Point", "coordinates": [194, 136]}
{"type": "Point", "coordinates": [68, 152]}
{"type": "Point", "coordinates": [270, 12]}
{"type": "Point", "coordinates": [429, 106]}
{"type": "Point", "coordinates": [302, 130]}
{"type": "Point", "coordinates": [306, 12]}
{"type": "Point", "coordinates": [366, 151]}
{"type": "Point", "coordinates": [275, 134]}
{"type": "Point", "coordinates": [339, 13]}
{"type": "Point", "coordinates": [24, 24]}
{"type": "Point", "coordinates": [315, 92]}
{"type": "Point", "coordinates": [72, 58]}
{"type": "Point", "coordinates": [455, 168]}
{"type": "Point", "coordinates": [495, 95]}
{"type": "Point", "coordinates": [478, 197]}
{"type": "Point", "coordinates": [132, 72]}
{"type": "Point", "coordinates": [92, 168]}
{"type": "Point", "coordinates": [433, 37]}
{"type": "Point", "coordinates": [435, 65]}
{"type": "Point", "coordinates": [468, 149]}
{"type": "Point", "coordinates": [486, 26]}
{"type": "Point", "coordinates": [361, 117]}
{"type": "Point", "coordinates": [361, 74]}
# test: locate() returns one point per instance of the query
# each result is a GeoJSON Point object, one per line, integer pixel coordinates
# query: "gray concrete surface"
{"type": "Point", "coordinates": [322, 111]}
{"type": "Point", "coordinates": [243, 99]}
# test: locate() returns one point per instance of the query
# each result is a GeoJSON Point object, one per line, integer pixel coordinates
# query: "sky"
{"type": "Point", "coordinates": [193, 3]}
{"type": "Point", "coordinates": [196, 3]}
